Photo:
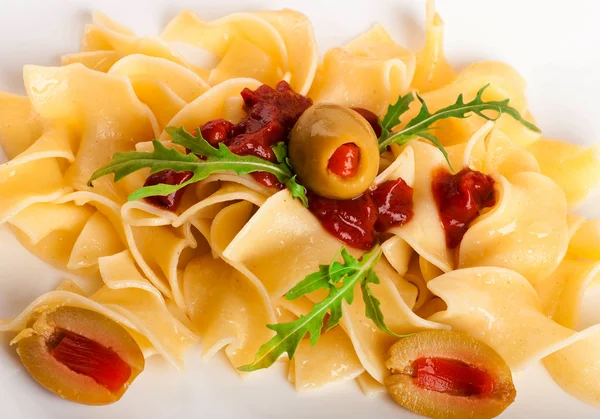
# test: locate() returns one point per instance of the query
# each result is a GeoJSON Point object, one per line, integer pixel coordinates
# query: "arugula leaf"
{"type": "Point", "coordinates": [216, 160]}
{"type": "Point", "coordinates": [340, 279]}
{"type": "Point", "coordinates": [421, 125]}
{"type": "Point", "coordinates": [298, 191]}
{"type": "Point", "coordinates": [197, 145]}
{"type": "Point", "coordinates": [281, 152]}
{"type": "Point", "coordinates": [392, 116]}
{"type": "Point", "coordinates": [338, 270]}
{"type": "Point", "coordinates": [372, 305]}
{"type": "Point", "coordinates": [312, 282]}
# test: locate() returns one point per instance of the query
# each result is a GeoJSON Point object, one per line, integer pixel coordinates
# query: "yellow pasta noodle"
{"type": "Point", "coordinates": [375, 60]}
{"type": "Point", "coordinates": [432, 69]}
{"type": "Point", "coordinates": [501, 308]}
{"type": "Point", "coordinates": [513, 236]}
{"type": "Point", "coordinates": [574, 168]}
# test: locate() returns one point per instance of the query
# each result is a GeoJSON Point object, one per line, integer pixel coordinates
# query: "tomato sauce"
{"type": "Point", "coordinates": [357, 221]}
{"type": "Point", "coordinates": [452, 377]}
{"type": "Point", "coordinates": [460, 198]}
{"type": "Point", "coordinates": [394, 203]}
{"type": "Point", "coordinates": [84, 356]}
{"type": "Point", "coordinates": [271, 114]}
{"type": "Point", "coordinates": [344, 161]}
{"type": "Point", "coordinates": [216, 131]}
{"type": "Point", "coordinates": [351, 221]}
{"type": "Point", "coordinates": [168, 177]}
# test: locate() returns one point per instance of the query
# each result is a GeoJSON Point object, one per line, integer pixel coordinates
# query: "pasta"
{"type": "Point", "coordinates": [169, 187]}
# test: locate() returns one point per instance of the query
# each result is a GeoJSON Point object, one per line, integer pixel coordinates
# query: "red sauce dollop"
{"type": "Point", "coordinates": [351, 220]}
{"type": "Point", "coordinates": [394, 203]}
{"type": "Point", "coordinates": [169, 177]}
{"type": "Point", "coordinates": [344, 161]}
{"type": "Point", "coordinates": [452, 377]}
{"type": "Point", "coordinates": [84, 356]}
{"type": "Point", "coordinates": [271, 114]}
{"type": "Point", "coordinates": [357, 221]}
{"type": "Point", "coordinates": [460, 198]}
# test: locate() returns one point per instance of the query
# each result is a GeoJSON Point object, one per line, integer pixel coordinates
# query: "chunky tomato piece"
{"type": "Point", "coordinates": [460, 197]}
{"type": "Point", "coordinates": [271, 115]}
{"type": "Point", "coordinates": [344, 161]}
{"type": "Point", "coordinates": [394, 203]}
{"type": "Point", "coordinates": [290, 104]}
{"type": "Point", "coordinates": [216, 131]}
{"type": "Point", "coordinates": [84, 356]}
{"type": "Point", "coordinates": [452, 376]}
{"type": "Point", "coordinates": [258, 132]}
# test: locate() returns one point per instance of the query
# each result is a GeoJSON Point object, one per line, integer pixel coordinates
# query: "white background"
{"type": "Point", "coordinates": [553, 44]}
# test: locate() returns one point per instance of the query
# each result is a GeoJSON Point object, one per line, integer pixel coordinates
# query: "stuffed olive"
{"type": "Point", "coordinates": [334, 151]}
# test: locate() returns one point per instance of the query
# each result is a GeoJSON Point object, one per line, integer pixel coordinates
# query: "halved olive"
{"type": "Point", "coordinates": [334, 151]}
{"type": "Point", "coordinates": [81, 355]}
{"type": "Point", "coordinates": [450, 375]}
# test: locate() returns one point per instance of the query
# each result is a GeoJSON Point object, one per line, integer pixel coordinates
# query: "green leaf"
{"type": "Point", "coordinates": [394, 112]}
{"type": "Point", "coordinates": [297, 190]}
{"type": "Point", "coordinates": [281, 152]}
{"type": "Point", "coordinates": [338, 270]}
{"type": "Point", "coordinates": [289, 335]}
{"type": "Point", "coordinates": [372, 305]}
{"type": "Point", "coordinates": [216, 160]}
{"type": "Point", "coordinates": [196, 145]}
{"type": "Point", "coordinates": [421, 125]}
{"type": "Point", "coordinates": [312, 282]}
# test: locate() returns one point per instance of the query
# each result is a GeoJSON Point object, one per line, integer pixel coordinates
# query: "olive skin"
{"type": "Point", "coordinates": [314, 139]}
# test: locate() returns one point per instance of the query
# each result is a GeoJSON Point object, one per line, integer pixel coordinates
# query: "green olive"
{"type": "Point", "coordinates": [319, 133]}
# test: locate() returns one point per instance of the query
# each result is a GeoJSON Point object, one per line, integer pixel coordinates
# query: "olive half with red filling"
{"type": "Point", "coordinates": [450, 375]}
{"type": "Point", "coordinates": [81, 355]}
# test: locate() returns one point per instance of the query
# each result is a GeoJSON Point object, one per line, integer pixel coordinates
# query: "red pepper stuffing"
{"type": "Point", "coordinates": [460, 198]}
{"type": "Point", "coordinates": [345, 160]}
{"type": "Point", "coordinates": [84, 356]}
{"type": "Point", "coordinates": [452, 377]}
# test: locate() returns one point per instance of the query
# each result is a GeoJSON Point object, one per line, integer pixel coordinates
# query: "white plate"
{"type": "Point", "coordinates": [552, 46]}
